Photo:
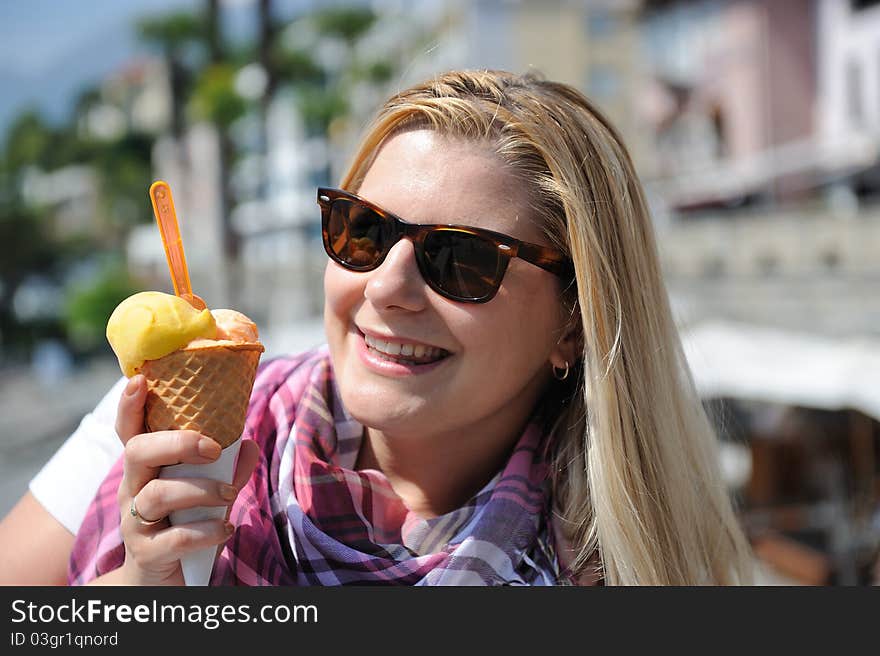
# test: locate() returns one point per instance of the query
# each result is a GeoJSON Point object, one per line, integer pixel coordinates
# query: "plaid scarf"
{"type": "Point", "coordinates": [306, 517]}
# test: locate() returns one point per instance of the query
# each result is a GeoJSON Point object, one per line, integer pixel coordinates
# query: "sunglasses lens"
{"type": "Point", "coordinates": [456, 263]}
{"type": "Point", "coordinates": [462, 265]}
{"type": "Point", "coordinates": [357, 236]}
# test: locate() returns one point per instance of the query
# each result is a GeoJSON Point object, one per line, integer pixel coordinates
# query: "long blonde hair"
{"type": "Point", "coordinates": [635, 475]}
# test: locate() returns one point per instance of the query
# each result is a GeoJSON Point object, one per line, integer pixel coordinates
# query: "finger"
{"type": "Point", "coordinates": [133, 519]}
{"type": "Point", "coordinates": [147, 452]}
{"type": "Point", "coordinates": [176, 541]}
{"type": "Point", "coordinates": [130, 411]}
{"type": "Point", "coordinates": [248, 457]}
{"type": "Point", "coordinates": [160, 497]}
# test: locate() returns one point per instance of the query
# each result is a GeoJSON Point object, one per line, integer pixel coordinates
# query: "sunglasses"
{"type": "Point", "coordinates": [459, 262]}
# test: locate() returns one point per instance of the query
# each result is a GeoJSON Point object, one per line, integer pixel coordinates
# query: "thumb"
{"type": "Point", "coordinates": [130, 413]}
{"type": "Point", "coordinates": [248, 458]}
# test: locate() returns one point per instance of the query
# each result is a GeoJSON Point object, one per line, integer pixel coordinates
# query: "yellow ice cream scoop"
{"type": "Point", "coordinates": [150, 325]}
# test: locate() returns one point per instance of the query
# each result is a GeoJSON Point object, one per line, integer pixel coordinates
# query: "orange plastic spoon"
{"type": "Point", "coordinates": [166, 217]}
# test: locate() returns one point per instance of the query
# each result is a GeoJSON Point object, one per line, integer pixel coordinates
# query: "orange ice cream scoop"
{"type": "Point", "coordinates": [235, 326]}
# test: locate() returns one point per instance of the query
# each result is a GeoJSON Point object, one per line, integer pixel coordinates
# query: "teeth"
{"type": "Point", "coordinates": [418, 351]}
{"type": "Point", "coordinates": [390, 348]}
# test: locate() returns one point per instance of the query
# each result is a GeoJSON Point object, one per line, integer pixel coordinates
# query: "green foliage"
{"type": "Point", "coordinates": [347, 23]}
{"type": "Point", "coordinates": [201, 73]}
{"type": "Point", "coordinates": [88, 306]}
{"type": "Point", "coordinates": [172, 32]}
{"type": "Point", "coordinates": [319, 106]}
{"type": "Point", "coordinates": [26, 247]}
{"type": "Point", "coordinates": [29, 245]}
{"type": "Point", "coordinates": [27, 250]}
{"type": "Point", "coordinates": [126, 173]}
{"type": "Point", "coordinates": [380, 71]}
{"type": "Point", "coordinates": [28, 141]}
{"type": "Point", "coordinates": [31, 141]}
{"type": "Point", "coordinates": [87, 99]}
{"type": "Point", "coordinates": [67, 147]}
{"type": "Point", "coordinates": [297, 67]}
{"type": "Point", "coordinates": [215, 97]}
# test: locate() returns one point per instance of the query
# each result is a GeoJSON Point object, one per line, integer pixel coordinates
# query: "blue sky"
{"type": "Point", "coordinates": [50, 49]}
{"type": "Point", "coordinates": [36, 34]}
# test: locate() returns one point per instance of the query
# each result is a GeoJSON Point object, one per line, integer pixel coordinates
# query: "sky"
{"type": "Point", "coordinates": [50, 49]}
{"type": "Point", "coordinates": [35, 35]}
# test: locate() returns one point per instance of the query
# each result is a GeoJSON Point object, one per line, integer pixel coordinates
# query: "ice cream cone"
{"type": "Point", "coordinates": [200, 366]}
{"type": "Point", "coordinates": [205, 389]}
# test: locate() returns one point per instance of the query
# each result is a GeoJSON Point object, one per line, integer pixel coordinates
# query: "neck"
{"type": "Point", "coordinates": [435, 474]}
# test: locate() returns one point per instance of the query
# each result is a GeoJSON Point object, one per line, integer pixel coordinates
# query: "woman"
{"type": "Point", "coordinates": [505, 402]}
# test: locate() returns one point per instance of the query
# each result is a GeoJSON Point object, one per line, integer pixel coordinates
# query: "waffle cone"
{"type": "Point", "coordinates": [205, 389]}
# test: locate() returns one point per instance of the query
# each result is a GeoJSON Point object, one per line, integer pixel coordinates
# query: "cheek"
{"type": "Point", "coordinates": [512, 332]}
{"type": "Point", "coordinates": [532, 312]}
{"type": "Point", "coordinates": [342, 290]}
{"type": "Point", "coordinates": [341, 300]}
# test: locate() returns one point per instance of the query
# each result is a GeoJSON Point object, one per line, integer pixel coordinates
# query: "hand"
{"type": "Point", "coordinates": [152, 553]}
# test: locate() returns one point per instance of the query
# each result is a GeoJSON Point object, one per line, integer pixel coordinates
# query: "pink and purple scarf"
{"type": "Point", "coordinates": [307, 517]}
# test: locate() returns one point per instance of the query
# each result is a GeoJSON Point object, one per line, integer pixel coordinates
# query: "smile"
{"type": "Point", "coordinates": [404, 352]}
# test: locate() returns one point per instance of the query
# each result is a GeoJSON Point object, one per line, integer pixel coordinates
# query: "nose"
{"type": "Point", "coordinates": [397, 283]}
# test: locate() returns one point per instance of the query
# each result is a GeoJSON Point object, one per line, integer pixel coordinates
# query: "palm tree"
{"type": "Point", "coordinates": [222, 105]}
{"type": "Point", "coordinates": [267, 57]}
{"type": "Point", "coordinates": [174, 34]}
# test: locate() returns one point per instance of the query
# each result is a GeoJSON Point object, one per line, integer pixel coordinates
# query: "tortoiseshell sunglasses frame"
{"type": "Point", "coordinates": [507, 247]}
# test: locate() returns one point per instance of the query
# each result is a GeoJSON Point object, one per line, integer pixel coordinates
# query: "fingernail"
{"type": "Point", "coordinates": [228, 528]}
{"type": "Point", "coordinates": [208, 448]}
{"type": "Point", "coordinates": [132, 387]}
{"type": "Point", "coordinates": [228, 492]}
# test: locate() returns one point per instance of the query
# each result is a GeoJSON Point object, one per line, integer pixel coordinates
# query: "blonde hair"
{"type": "Point", "coordinates": [635, 475]}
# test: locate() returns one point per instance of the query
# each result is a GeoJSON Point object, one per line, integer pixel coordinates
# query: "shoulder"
{"type": "Point", "coordinates": [68, 482]}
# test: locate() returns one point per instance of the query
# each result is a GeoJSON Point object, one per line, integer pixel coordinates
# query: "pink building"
{"type": "Point", "coordinates": [731, 99]}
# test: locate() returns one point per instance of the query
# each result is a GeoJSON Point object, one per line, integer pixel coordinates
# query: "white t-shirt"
{"type": "Point", "coordinates": [67, 483]}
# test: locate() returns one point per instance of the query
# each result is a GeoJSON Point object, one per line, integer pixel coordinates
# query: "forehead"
{"type": "Point", "coordinates": [425, 177]}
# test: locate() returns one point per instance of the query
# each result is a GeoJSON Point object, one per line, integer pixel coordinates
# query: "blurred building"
{"type": "Point", "coordinates": [764, 117]}
{"type": "Point", "coordinates": [68, 195]}
{"type": "Point", "coordinates": [848, 34]}
{"type": "Point", "coordinates": [132, 99]}
{"type": "Point", "coordinates": [756, 102]}
{"type": "Point", "coordinates": [764, 160]}
{"type": "Point", "coordinates": [593, 45]}
{"type": "Point", "coordinates": [129, 100]}
{"type": "Point", "coordinates": [731, 98]}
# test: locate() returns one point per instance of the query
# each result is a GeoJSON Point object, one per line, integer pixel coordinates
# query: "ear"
{"type": "Point", "coordinates": [568, 348]}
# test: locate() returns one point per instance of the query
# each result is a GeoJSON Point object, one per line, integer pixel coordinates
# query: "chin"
{"type": "Point", "coordinates": [386, 412]}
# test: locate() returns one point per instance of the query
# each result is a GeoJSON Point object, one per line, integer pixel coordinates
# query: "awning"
{"type": "Point", "coordinates": [766, 364]}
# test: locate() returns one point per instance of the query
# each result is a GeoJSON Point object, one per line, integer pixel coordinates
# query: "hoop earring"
{"type": "Point", "coordinates": [564, 374]}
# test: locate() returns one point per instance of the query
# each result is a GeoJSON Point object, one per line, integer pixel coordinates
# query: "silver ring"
{"type": "Point", "coordinates": [133, 511]}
